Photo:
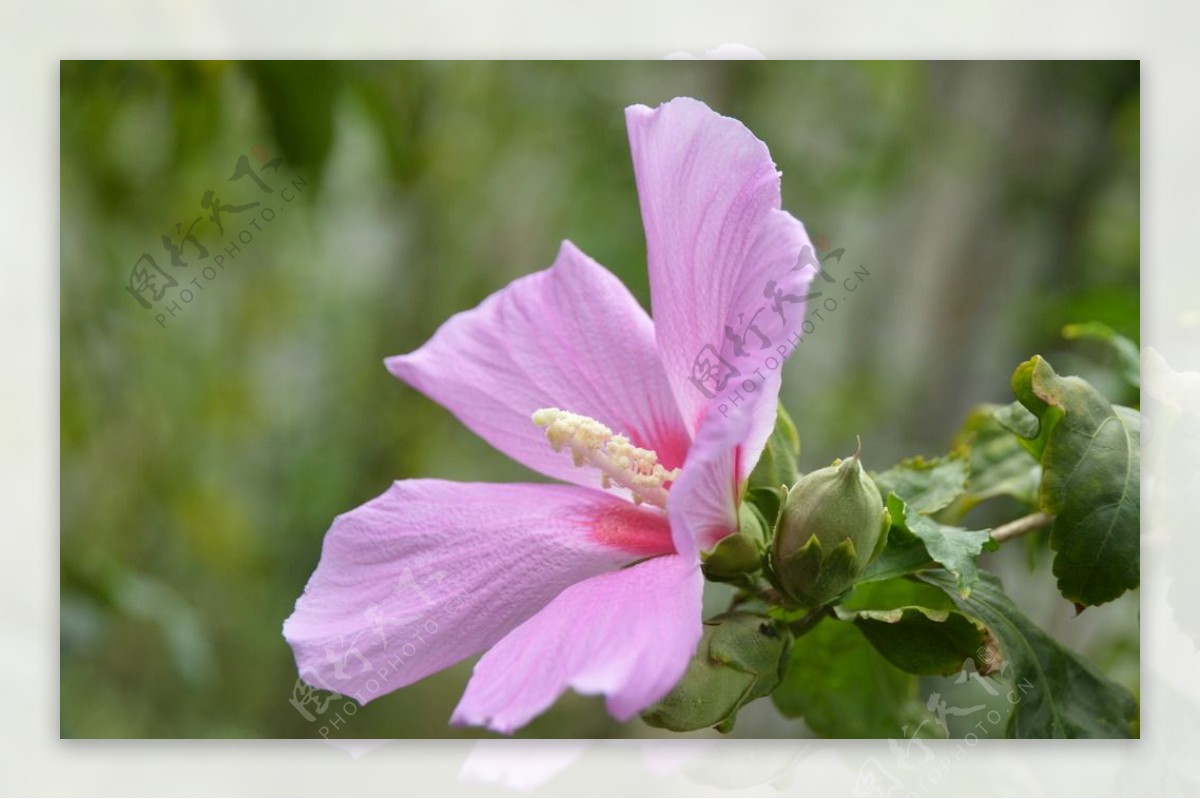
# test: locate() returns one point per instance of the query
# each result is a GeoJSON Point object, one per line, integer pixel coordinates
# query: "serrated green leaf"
{"type": "Point", "coordinates": [1090, 482]}
{"type": "Point", "coordinates": [1055, 693]}
{"type": "Point", "coordinates": [1127, 354]}
{"type": "Point", "coordinates": [954, 547]}
{"type": "Point", "coordinates": [922, 640]}
{"type": "Point", "coordinates": [777, 466]}
{"type": "Point", "coordinates": [999, 464]}
{"type": "Point", "coordinates": [843, 688]}
{"type": "Point", "coordinates": [926, 485]}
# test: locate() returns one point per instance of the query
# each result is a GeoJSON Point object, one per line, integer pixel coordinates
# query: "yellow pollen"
{"type": "Point", "coordinates": [619, 461]}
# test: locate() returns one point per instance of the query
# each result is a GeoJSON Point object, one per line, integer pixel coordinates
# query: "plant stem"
{"type": "Point", "coordinates": [805, 624]}
{"type": "Point", "coordinates": [1021, 526]}
{"type": "Point", "coordinates": [752, 590]}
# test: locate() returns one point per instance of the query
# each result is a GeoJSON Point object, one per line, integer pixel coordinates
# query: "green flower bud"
{"type": "Point", "coordinates": [740, 659]}
{"type": "Point", "coordinates": [832, 525]}
{"type": "Point", "coordinates": [738, 554]}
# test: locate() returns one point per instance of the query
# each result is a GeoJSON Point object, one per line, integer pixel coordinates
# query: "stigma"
{"type": "Point", "coordinates": [619, 462]}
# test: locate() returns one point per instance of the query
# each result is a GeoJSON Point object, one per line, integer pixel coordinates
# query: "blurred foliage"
{"type": "Point", "coordinates": [203, 459]}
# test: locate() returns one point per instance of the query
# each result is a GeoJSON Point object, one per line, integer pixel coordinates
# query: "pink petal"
{"type": "Point", "coordinates": [627, 634]}
{"type": "Point", "coordinates": [569, 337]}
{"type": "Point", "coordinates": [703, 503]}
{"type": "Point", "coordinates": [715, 237]}
{"type": "Point", "coordinates": [432, 572]}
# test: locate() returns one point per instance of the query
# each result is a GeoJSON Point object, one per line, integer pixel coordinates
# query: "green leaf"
{"type": "Point", "coordinates": [1090, 482]}
{"type": "Point", "coordinates": [1055, 693]}
{"type": "Point", "coordinates": [999, 464]}
{"type": "Point", "coordinates": [1016, 419]}
{"type": "Point", "coordinates": [896, 593]}
{"type": "Point", "coordinates": [926, 485]}
{"type": "Point", "coordinates": [739, 659]}
{"type": "Point", "coordinates": [843, 688]}
{"type": "Point", "coordinates": [106, 584]}
{"type": "Point", "coordinates": [922, 640]}
{"type": "Point", "coordinates": [1128, 357]}
{"type": "Point", "coordinates": [299, 99]}
{"type": "Point", "coordinates": [954, 547]}
{"type": "Point", "coordinates": [904, 554]}
{"type": "Point", "coordinates": [777, 466]}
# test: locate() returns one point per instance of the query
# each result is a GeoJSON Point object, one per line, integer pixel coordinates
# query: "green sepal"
{"type": "Point", "coordinates": [812, 576]}
{"type": "Point", "coordinates": [767, 501]}
{"type": "Point", "coordinates": [740, 554]}
{"type": "Point", "coordinates": [885, 527]}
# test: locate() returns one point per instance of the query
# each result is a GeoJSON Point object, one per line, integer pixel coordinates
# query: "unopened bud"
{"type": "Point", "coordinates": [831, 527]}
{"type": "Point", "coordinates": [740, 659]}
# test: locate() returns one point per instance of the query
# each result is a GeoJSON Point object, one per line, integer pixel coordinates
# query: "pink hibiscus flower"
{"type": "Point", "coordinates": [655, 426]}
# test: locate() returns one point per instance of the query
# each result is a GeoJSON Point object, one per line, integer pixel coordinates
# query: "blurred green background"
{"type": "Point", "coordinates": [203, 459]}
